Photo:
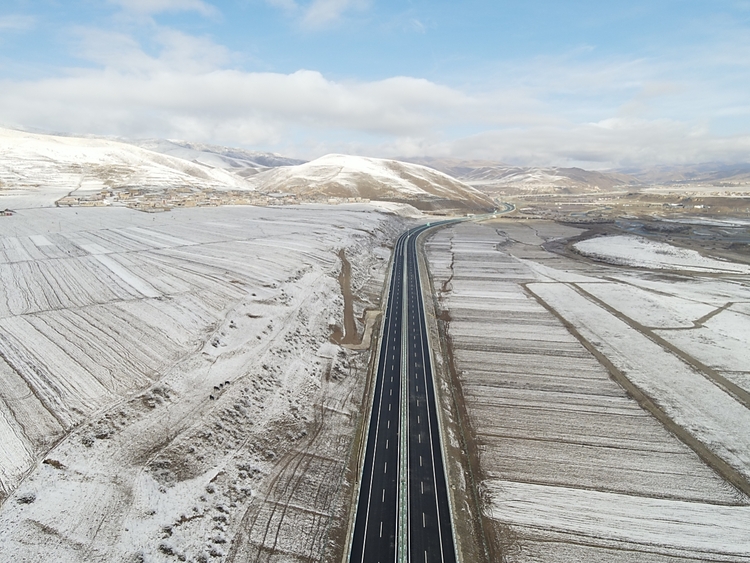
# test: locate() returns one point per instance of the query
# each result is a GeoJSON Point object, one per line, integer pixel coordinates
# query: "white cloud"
{"type": "Point", "coordinates": [180, 52]}
{"type": "Point", "coordinates": [417, 26]}
{"type": "Point", "coordinates": [286, 5]}
{"type": "Point", "coordinates": [150, 7]}
{"type": "Point", "coordinates": [323, 12]}
{"type": "Point", "coordinates": [186, 92]}
{"type": "Point", "coordinates": [16, 22]}
{"type": "Point", "coordinates": [318, 13]}
{"type": "Point", "coordinates": [572, 109]}
{"type": "Point", "coordinates": [195, 105]}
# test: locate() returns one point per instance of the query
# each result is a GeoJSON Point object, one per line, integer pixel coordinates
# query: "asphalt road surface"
{"type": "Point", "coordinates": [403, 512]}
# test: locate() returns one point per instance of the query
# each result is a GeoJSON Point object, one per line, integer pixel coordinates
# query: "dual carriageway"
{"type": "Point", "coordinates": [403, 512]}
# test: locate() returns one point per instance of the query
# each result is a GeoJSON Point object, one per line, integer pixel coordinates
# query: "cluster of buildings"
{"type": "Point", "coordinates": [163, 200]}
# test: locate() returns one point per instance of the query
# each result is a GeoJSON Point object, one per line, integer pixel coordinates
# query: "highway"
{"type": "Point", "coordinates": [403, 513]}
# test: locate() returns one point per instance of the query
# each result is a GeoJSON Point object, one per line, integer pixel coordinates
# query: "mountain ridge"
{"type": "Point", "coordinates": [39, 170]}
{"type": "Point", "coordinates": [345, 176]}
{"type": "Point", "coordinates": [496, 177]}
{"type": "Point", "coordinates": [239, 161]}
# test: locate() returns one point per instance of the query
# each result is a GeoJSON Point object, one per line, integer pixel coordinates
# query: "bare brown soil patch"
{"type": "Point", "coordinates": [349, 334]}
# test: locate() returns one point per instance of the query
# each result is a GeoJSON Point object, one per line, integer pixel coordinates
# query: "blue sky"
{"type": "Point", "coordinates": [595, 84]}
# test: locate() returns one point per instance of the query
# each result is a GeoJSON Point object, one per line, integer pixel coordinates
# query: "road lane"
{"type": "Point", "coordinates": [430, 530]}
{"type": "Point", "coordinates": [375, 527]}
{"type": "Point", "coordinates": [403, 510]}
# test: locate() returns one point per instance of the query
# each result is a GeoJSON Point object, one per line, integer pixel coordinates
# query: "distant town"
{"type": "Point", "coordinates": [166, 199]}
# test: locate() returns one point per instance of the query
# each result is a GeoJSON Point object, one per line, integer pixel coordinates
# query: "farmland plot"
{"type": "Point", "coordinates": [571, 467]}
{"type": "Point", "coordinates": [169, 390]}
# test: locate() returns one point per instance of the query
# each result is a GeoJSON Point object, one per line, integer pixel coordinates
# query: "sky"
{"type": "Point", "coordinates": [601, 85]}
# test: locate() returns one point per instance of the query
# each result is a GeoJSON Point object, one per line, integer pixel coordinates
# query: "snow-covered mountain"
{"type": "Point", "coordinates": [710, 173]}
{"type": "Point", "coordinates": [238, 161]}
{"type": "Point", "coordinates": [573, 179]}
{"type": "Point", "coordinates": [342, 176]}
{"type": "Point", "coordinates": [39, 169]}
{"type": "Point", "coordinates": [497, 177]}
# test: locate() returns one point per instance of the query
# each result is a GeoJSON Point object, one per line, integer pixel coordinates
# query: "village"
{"type": "Point", "coordinates": [144, 199]}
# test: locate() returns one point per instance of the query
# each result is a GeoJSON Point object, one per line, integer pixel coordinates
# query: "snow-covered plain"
{"type": "Point", "coordinates": [670, 527]}
{"type": "Point", "coordinates": [571, 467]}
{"type": "Point", "coordinates": [169, 391]}
{"type": "Point", "coordinates": [644, 253]}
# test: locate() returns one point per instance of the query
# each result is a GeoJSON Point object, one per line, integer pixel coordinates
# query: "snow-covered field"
{"type": "Point", "coordinates": [674, 528]}
{"type": "Point", "coordinates": [169, 391]}
{"type": "Point", "coordinates": [644, 253]}
{"type": "Point", "coordinates": [571, 467]}
{"type": "Point", "coordinates": [686, 395]}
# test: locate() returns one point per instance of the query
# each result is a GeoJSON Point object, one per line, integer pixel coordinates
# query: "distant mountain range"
{"type": "Point", "coordinates": [332, 176]}
{"type": "Point", "coordinates": [498, 178]}
{"type": "Point", "coordinates": [64, 164]}
{"type": "Point", "coordinates": [43, 168]}
{"type": "Point", "coordinates": [489, 177]}
{"type": "Point", "coordinates": [711, 173]}
{"type": "Point", "coordinates": [493, 177]}
{"type": "Point", "coordinates": [38, 170]}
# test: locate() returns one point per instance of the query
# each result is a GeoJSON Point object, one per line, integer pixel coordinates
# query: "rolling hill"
{"type": "Point", "coordinates": [241, 162]}
{"type": "Point", "coordinates": [342, 176]}
{"type": "Point", "coordinates": [38, 170]}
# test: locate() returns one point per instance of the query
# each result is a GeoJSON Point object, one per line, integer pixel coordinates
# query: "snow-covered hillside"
{"type": "Point", "coordinates": [36, 170]}
{"type": "Point", "coordinates": [345, 176]}
{"type": "Point", "coordinates": [573, 179]}
{"type": "Point", "coordinates": [238, 161]}
{"type": "Point", "coordinates": [496, 177]}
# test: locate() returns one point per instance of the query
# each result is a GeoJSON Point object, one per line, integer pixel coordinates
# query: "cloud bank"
{"type": "Point", "coordinates": [572, 109]}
